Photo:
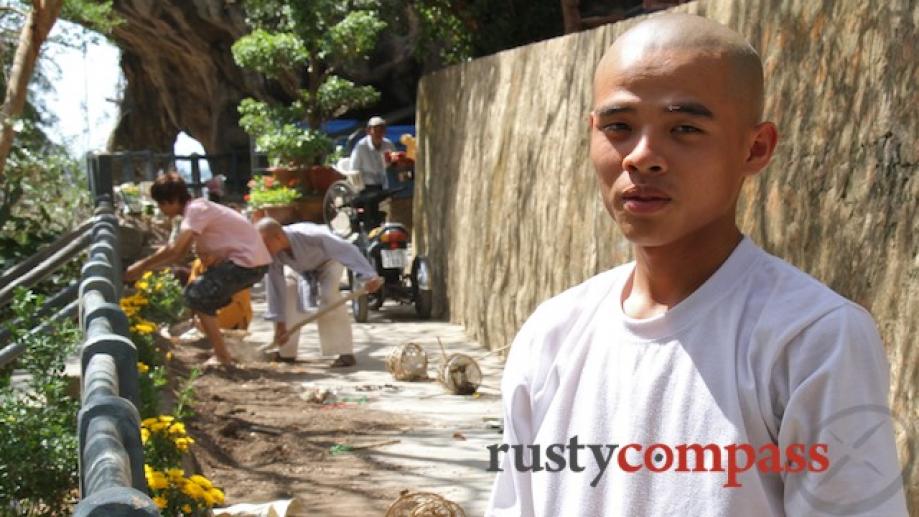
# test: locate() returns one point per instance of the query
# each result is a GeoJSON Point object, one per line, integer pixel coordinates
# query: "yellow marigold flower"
{"type": "Point", "coordinates": [147, 470]}
{"type": "Point", "coordinates": [160, 502]}
{"type": "Point", "coordinates": [175, 475]}
{"type": "Point", "coordinates": [144, 435]}
{"type": "Point", "coordinates": [186, 508]}
{"type": "Point", "coordinates": [217, 494]}
{"type": "Point", "coordinates": [193, 490]}
{"type": "Point", "coordinates": [202, 481]}
{"type": "Point", "coordinates": [147, 422]}
{"type": "Point", "coordinates": [147, 276]}
{"type": "Point", "coordinates": [140, 284]}
{"type": "Point", "coordinates": [158, 426]}
{"type": "Point", "coordinates": [142, 368]}
{"type": "Point", "coordinates": [183, 443]}
{"type": "Point", "coordinates": [177, 428]}
{"type": "Point", "coordinates": [169, 356]}
{"type": "Point", "coordinates": [157, 480]}
{"type": "Point", "coordinates": [129, 310]}
{"type": "Point", "coordinates": [208, 499]}
{"type": "Point", "coordinates": [167, 418]}
{"type": "Point", "coordinates": [143, 327]}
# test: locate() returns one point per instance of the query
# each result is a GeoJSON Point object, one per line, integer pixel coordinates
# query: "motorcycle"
{"type": "Point", "coordinates": [357, 217]}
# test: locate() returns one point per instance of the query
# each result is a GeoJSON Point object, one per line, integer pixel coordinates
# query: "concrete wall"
{"type": "Point", "coordinates": [506, 203]}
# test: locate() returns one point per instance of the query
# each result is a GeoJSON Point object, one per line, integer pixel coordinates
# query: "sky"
{"type": "Point", "coordinates": [87, 83]}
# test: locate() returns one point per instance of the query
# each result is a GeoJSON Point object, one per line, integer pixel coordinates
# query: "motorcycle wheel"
{"type": "Point", "coordinates": [421, 287]}
{"type": "Point", "coordinates": [359, 304]}
{"type": "Point", "coordinates": [336, 207]}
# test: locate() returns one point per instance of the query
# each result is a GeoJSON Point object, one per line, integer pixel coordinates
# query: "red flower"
{"type": "Point", "coordinates": [246, 198]}
{"type": "Point", "coordinates": [269, 181]}
{"type": "Point", "coordinates": [292, 182]}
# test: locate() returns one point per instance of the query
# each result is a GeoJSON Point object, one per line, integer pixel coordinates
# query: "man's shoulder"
{"type": "Point", "coordinates": [788, 287]}
{"type": "Point", "coordinates": [791, 303]}
{"type": "Point", "coordinates": [307, 229]}
{"type": "Point", "coordinates": [564, 310]}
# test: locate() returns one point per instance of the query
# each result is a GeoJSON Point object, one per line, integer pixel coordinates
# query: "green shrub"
{"type": "Point", "coordinates": [38, 442]}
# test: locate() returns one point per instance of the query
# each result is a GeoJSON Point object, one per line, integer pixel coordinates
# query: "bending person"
{"type": "Point", "coordinates": [315, 258]}
{"type": "Point", "coordinates": [216, 231]}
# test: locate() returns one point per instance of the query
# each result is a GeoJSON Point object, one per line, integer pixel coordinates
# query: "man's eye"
{"type": "Point", "coordinates": [615, 127]}
{"type": "Point", "coordinates": [683, 128]}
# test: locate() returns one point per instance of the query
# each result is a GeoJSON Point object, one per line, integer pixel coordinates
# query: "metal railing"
{"type": "Point", "coordinates": [137, 166]}
{"type": "Point", "coordinates": [111, 454]}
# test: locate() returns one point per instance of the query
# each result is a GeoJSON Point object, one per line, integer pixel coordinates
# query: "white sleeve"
{"type": "Point", "coordinates": [357, 158]}
{"type": "Point", "coordinates": [833, 383]}
{"type": "Point", "coordinates": [276, 290]}
{"type": "Point", "coordinates": [511, 493]}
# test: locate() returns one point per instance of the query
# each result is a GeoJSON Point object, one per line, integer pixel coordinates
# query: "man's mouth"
{"type": "Point", "coordinates": [643, 200]}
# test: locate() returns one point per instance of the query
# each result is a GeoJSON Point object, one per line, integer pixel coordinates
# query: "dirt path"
{"type": "Point", "coordinates": [260, 438]}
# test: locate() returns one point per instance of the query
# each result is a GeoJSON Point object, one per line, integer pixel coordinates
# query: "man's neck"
{"type": "Point", "coordinates": [666, 275]}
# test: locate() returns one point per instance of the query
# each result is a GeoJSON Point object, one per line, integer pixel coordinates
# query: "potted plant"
{"type": "Point", "coordinates": [300, 46]}
{"type": "Point", "coordinates": [270, 197]}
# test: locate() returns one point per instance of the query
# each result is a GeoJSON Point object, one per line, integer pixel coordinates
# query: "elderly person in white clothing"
{"type": "Point", "coordinates": [314, 257]}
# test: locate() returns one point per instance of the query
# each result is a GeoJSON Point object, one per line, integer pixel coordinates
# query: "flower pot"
{"type": "Point", "coordinates": [284, 174]}
{"type": "Point", "coordinates": [322, 176]}
{"type": "Point", "coordinates": [284, 214]}
{"type": "Point", "coordinates": [309, 208]}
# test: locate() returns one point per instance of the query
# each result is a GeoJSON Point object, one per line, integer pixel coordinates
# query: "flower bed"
{"type": "Point", "coordinates": [157, 300]}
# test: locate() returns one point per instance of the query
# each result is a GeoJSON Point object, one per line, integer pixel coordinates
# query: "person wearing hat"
{"type": "Point", "coordinates": [370, 155]}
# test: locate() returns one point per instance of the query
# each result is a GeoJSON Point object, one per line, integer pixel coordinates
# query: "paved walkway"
{"type": "Point", "coordinates": [448, 455]}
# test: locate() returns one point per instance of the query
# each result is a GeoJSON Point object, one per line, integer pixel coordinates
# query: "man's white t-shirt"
{"type": "Point", "coordinates": [761, 354]}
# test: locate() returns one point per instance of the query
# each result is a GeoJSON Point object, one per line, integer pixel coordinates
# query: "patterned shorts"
{"type": "Point", "coordinates": [215, 288]}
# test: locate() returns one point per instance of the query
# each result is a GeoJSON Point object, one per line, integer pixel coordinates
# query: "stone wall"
{"type": "Point", "coordinates": [506, 203]}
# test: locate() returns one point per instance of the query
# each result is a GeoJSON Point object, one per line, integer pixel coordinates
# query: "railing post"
{"type": "Point", "coordinates": [111, 454]}
{"type": "Point", "coordinates": [195, 174]}
{"type": "Point", "coordinates": [100, 175]}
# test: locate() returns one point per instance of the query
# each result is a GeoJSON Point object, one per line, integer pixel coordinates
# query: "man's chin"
{"type": "Point", "coordinates": [645, 235]}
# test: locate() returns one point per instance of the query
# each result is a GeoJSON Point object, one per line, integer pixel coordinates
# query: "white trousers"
{"type": "Point", "coordinates": [334, 327]}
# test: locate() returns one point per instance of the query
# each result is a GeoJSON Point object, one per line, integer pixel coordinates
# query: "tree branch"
{"type": "Point", "coordinates": [34, 33]}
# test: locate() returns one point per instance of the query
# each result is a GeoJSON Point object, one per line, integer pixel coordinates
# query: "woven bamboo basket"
{"type": "Point", "coordinates": [423, 504]}
{"type": "Point", "coordinates": [460, 374]}
{"type": "Point", "coordinates": [407, 362]}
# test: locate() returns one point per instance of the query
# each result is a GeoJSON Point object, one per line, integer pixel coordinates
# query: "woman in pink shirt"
{"type": "Point", "coordinates": [217, 231]}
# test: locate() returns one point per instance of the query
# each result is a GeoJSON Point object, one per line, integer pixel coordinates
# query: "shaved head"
{"type": "Point", "coordinates": [269, 227]}
{"type": "Point", "coordinates": [672, 34]}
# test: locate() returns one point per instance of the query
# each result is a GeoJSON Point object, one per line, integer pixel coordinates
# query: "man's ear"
{"type": "Point", "coordinates": [764, 138]}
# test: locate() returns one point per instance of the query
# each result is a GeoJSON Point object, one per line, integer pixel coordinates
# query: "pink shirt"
{"type": "Point", "coordinates": [223, 233]}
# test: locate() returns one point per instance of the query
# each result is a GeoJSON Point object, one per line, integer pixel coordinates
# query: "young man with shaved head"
{"type": "Point", "coordinates": [707, 377]}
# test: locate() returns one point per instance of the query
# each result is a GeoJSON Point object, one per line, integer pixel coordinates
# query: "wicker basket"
{"type": "Point", "coordinates": [424, 504]}
{"type": "Point", "coordinates": [460, 374]}
{"type": "Point", "coordinates": [407, 362]}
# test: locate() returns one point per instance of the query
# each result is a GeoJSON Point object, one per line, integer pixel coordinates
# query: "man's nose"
{"type": "Point", "coordinates": [645, 158]}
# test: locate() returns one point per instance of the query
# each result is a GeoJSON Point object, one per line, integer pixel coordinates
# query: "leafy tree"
{"type": "Point", "coordinates": [303, 45]}
{"type": "Point", "coordinates": [42, 191]}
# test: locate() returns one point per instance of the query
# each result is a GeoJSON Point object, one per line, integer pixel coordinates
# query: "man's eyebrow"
{"type": "Point", "coordinates": [612, 109]}
{"type": "Point", "coordinates": [690, 108]}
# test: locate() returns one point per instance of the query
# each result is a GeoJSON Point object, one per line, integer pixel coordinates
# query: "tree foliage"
{"type": "Point", "coordinates": [38, 442]}
{"type": "Point", "coordinates": [302, 45]}
{"type": "Point", "coordinates": [42, 188]}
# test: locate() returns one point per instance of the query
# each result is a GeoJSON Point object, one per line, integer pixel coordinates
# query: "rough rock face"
{"type": "Point", "coordinates": [180, 74]}
{"type": "Point", "coordinates": [506, 203]}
